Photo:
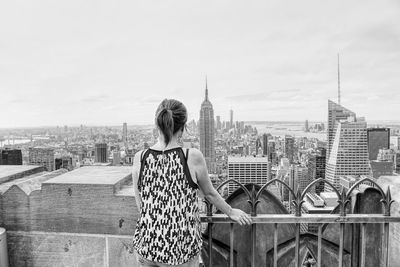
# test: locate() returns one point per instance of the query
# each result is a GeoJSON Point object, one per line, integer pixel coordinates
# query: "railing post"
{"type": "Point", "coordinates": [387, 202]}
{"type": "Point", "coordinates": [298, 203]}
{"type": "Point", "coordinates": [363, 244]}
{"type": "Point", "coordinates": [210, 244]}
{"type": "Point", "coordinates": [385, 245]}
{"type": "Point", "coordinates": [297, 250]}
{"type": "Point", "coordinates": [275, 245]}
{"type": "Point", "coordinates": [341, 243]}
{"type": "Point", "coordinates": [319, 260]}
{"type": "Point", "coordinates": [231, 245]}
{"type": "Point", "coordinates": [253, 203]}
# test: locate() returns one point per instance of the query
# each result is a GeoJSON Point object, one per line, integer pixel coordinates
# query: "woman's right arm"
{"type": "Point", "coordinates": [196, 161]}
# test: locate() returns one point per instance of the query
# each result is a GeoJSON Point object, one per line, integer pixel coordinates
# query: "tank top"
{"type": "Point", "coordinates": [168, 230]}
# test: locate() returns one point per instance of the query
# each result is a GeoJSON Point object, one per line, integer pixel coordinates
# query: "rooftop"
{"type": "Point", "coordinates": [7, 172]}
{"type": "Point", "coordinates": [31, 182]}
{"type": "Point", "coordinates": [106, 175]}
{"type": "Point", "coordinates": [310, 208]}
{"type": "Point", "coordinates": [248, 159]}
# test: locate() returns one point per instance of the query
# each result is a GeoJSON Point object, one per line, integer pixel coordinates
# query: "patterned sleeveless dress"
{"type": "Point", "coordinates": [168, 230]}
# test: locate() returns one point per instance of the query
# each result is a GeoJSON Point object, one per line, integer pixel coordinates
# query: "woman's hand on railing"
{"type": "Point", "coordinates": [240, 217]}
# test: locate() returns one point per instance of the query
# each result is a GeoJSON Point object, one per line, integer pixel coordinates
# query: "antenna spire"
{"type": "Point", "coordinates": [338, 64]}
{"type": "Point", "coordinates": [206, 89]}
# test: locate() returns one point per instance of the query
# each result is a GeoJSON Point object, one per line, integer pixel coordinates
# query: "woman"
{"type": "Point", "coordinates": [166, 180]}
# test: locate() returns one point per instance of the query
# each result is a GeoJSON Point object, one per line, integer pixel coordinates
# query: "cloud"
{"type": "Point", "coordinates": [152, 100]}
{"type": "Point", "coordinates": [95, 98]}
{"type": "Point", "coordinates": [274, 58]}
{"type": "Point", "coordinates": [247, 97]}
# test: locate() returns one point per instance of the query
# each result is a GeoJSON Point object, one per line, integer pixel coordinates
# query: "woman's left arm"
{"type": "Point", "coordinates": [135, 178]}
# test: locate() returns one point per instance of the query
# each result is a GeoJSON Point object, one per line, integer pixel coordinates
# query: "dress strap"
{"type": "Point", "coordinates": [187, 154]}
{"type": "Point", "coordinates": [141, 155]}
{"type": "Point", "coordinates": [142, 163]}
{"type": "Point", "coordinates": [187, 171]}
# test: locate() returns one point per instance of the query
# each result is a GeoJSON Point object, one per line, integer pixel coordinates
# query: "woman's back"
{"type": "Point", "coordinates": [169, 229]}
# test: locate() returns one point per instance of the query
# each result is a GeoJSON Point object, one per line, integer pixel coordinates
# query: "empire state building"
{"type": "Point", "coordinates": [207, 132]}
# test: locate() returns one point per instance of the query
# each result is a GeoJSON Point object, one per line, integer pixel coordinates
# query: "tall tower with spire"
{"type": "Point", "coordinates": [336, 113]}
{"type": "Point", "coordinates": [207, 132]}
{"type": "Point", "coordinates": [338, 75]}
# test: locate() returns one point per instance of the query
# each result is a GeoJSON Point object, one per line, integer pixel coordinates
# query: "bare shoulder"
{"type": "Point", "coordinates": [195, 155]}
{"type": "Point", "coordinates": [138, 154]}
{"type": "Point", "coordinates": [137, 158]}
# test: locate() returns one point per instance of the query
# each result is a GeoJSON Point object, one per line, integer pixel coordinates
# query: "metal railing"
{"type": "Point", "coordinates": [298, 218]}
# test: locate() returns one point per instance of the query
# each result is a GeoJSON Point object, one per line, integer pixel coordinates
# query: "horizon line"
{"type": "Point", "coordinates": [150, 124]}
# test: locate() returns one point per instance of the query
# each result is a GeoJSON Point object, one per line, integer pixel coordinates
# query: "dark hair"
{"type": "Point", "coordinates": [171, 116]}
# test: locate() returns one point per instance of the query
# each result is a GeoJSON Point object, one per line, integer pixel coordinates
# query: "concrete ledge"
{"type": "Point", "coordinates": [69, 249]}
{"type": "Point", "coordinates": [87, 200]}
{"type": "Point", "coordinates": [94, 175]}
{"type": "Point", "coordinates": [12, 172]}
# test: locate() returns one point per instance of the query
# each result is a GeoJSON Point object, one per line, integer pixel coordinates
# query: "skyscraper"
{"type": "Point", "coordinates": [125, 133]}
{"type": "Point", "coordinates": [116, 158]}
{"type": "Point", "coordinates": [43, 156]}
{"type": "Point", "coordinates": [397, 162]}
{"type": "Point", "coordinates": [306, 126]}
{"type": "Point", "coordinates": [315, 163]}
{"type": "Point", "coordinates": [378, 138]}
{"type": "Point", "coordinates": [100, 153]}
{"type": "Point", "coordinates": [289, 148]}
{"type": "Point", "coordinates": [336, 113]}
{"type": "Point", "coordinates": [272, 157]}
{"type": "Point", "coordinates": [265, 139]}
{"type": "Point", "coordinates": [258, 145]}
{"type": "Point", "coordinates": [299, 178]}
{"type": "Point", "coordinates": [320, 160]}
{"type": "Point", "coordinates": [231, 119]}
{"type": "Point", "coordinates": [10, 157]}
{"type": "Point", "coordinates": [381, 168]}
{"type": "Point", "coordinates": [219, 126]}
{"type": "Point", "coordinates": [349, 153]}
{"type": "Point", "coordinates": [64, 162]}
{"type": "Point", "coordinates": [247, 170]}
{"type": "Point", "coordinates": [206, 129]}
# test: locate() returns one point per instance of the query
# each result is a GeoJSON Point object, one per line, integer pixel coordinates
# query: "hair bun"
{"type": "Point", "coordinates": [171, 116]}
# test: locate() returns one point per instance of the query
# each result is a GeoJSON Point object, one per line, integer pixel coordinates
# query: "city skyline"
{"type": "Point", "coordinates": [278, 62]}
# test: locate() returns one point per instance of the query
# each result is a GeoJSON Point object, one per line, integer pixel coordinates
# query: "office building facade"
{"type": "Point", "coordinates": [42, 156]}
{"type": "Point", "coordinates": [397, 162]}
{"type": "Point", "coordinates": [378, 138]}
{"type": "Point", "coordinates": [247, 170]}
{"type": "Point", "coordinates": [125, 133]}
{"type": "Point", "coordinates": [219, 126]}
{"type": "Point", "coordinates": [289, 148]}
{"type": "Point", "coordinates": [299, 178]}
{"type": "Point", "coordinates": [381, 168]}
{"type": "Point", "coordinates": [320, 167]}
{"type": "Point", "coordinates": [100, 153]}
{"type": "Point", "coordinates": [265, 148]}
{"type": "Point", "coordinates": [336, 113]}
{"type": "Point", "coordinates": [349, 154]}
{"type": "Point", "coordinates": [231, 125]}
{"type": "Point", "coordinates": [10, 157]}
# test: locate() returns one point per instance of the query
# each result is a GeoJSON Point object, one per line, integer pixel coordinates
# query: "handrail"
{"type": "Point", "coordinates": [306, 218]}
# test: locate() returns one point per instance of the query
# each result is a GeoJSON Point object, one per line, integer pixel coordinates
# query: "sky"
{"type": "Point", "coordinates": [108, 62]}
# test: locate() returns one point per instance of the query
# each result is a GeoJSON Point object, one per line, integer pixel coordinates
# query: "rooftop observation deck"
{"type": "Point", "coordinates": [87, 217]}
